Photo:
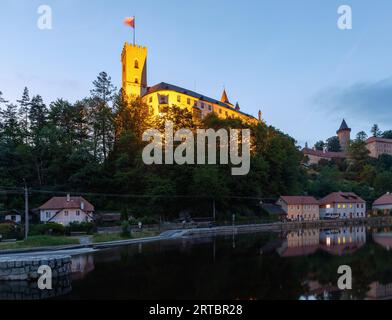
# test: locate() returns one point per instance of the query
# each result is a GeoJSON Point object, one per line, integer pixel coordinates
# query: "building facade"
{"type": "Point", "coordinates": [65, 210]}
{"type": "Point", "coordinates": [300, 208]}
{"type": "Point", "coordinates": [342, 205]}
{"type": "Point", "coordinates": [383, 204]}
{"type": "Point", "coordinates": [162, 96]}
{"type": "Point", "coordinates": [379, 146]}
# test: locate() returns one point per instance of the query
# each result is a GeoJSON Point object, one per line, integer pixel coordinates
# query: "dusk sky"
{"type": "Point", "coordinates": [287, 58]}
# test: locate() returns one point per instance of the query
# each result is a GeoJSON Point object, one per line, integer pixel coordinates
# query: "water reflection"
{"type": "Point", "coordinates": [334, 241]}
{"type": "Point", "coordinates": [292, 265]}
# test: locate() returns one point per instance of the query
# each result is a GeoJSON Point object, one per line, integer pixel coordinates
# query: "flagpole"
{"type": "Point", "coordinates": [134, 30]}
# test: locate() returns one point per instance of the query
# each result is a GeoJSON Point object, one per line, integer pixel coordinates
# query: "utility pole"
{"type": "Point", "coordinates": [213, 210]}
{"type": "Point", "coordinates": [26, 194]}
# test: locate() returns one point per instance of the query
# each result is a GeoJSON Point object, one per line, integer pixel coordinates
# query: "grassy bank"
{"type": "Point", "coordinates": [39, 241]}
{"type": "Point", "coordinates": [106, 237]}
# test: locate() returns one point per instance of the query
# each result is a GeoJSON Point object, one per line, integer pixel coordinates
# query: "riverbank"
{"type": "Point", "coordinates": [117, 241]}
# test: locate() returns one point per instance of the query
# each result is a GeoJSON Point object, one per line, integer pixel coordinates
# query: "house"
{"type": "Point", "coordinates": [300, 208]}
{"type": "Point", "coordinates": [65, 210]}
{"type": "Point", "coordinates": [383, 203]}
{"type": "Point", "coordinates": [378, 146]}
{"type": "Point", "coordinates": [315, 156]}
{"type": "Point", "coordinates": [342, 205]}
{"type": "Point", "coordinates": [11, 216]}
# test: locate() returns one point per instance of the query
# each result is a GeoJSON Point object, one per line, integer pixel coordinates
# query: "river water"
{"type": "Point", "coordinates": [291, 265]}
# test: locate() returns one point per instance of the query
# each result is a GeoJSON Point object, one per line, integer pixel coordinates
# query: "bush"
{"type": "Point", "coordinates": [47, 229]}
{"type": "Point", "coordinates": [87, 227]}
{"type": "Point", "coordinates": [7, 230]}
{"type": "Point", "coordinates": [126, 229]}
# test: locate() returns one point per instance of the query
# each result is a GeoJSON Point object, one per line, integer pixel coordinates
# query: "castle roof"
{"type": "Point", "coordinates": [344, 126]}
{"type": "Point", "coordinates": [324, 154]}
{"type": "Point", "coordinates": [166, 86]}
{"type": "Point", "coordinates": [224, 98]}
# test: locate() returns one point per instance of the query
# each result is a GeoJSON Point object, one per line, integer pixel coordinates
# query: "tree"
{"type": "Point", "coordinates": [37, 115]}
{"type": "Point", "coordinates": [361, 136]}
{"type": "Point", "coordinates": [2, 100]}
{"type": "Point", "coordinates": [319, 145]}
{"type": "Point", "coordinates": [376, 132]}
{"type": "Point", "coordinates": [333, 144]}
{"type": "Point", "coordinates": [24, 109]}
{"type": "Point", "coordinates": [387, 134]}
{"type": "Point", "coordinates": [10, 126]}
{"type": "Point", "coordinates": [358, 154]}
{"type": "Point", "coordinates": [101, 114]}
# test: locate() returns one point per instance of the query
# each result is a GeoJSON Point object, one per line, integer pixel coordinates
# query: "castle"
{"type": "Point", "coordinates": [376, 146]}
{"type": "Point", "coordinates": [163, 95]}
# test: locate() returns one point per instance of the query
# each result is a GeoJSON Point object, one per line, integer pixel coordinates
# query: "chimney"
{"type": "Point", "coordinates": [68, 197]}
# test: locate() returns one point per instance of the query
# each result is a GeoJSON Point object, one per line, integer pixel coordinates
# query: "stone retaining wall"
{"type": "Point", "coordinates": [25, 268]}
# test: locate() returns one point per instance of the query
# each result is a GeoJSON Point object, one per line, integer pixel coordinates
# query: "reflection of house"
{"type": "Point", "coordinates": [65, 210]}
{"type": "Point", "coordinates": [300, 243]}
{"type": "Point", "coordinates": [343, 240]}
{"type": "Point", "coordinates": [383, 239]}
{"type": "Point", "coordinates": [383, 203]}
{"type": "Point", "coordinates": [343, 205]}
{"type": "Point", "coordinates": [300, 207]}
{"type": "Point", "coordinates": [81, 266]}
{"type": "Point", "coordinates": [380, 291]}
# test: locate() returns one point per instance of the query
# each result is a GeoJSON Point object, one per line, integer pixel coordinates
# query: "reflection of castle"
{"type": "Point", "coordinates": [337, 241]}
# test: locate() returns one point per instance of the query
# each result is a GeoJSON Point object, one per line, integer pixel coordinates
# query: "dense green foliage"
{"type": "Point", "coordinates": [94, 146]}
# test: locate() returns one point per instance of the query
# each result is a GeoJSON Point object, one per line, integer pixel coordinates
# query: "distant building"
{"type": "Point", "coordinates": [383, 203]}
{"type": "Point", "coordinates": [342, 205]}
{"type": "Point", "coordinates": [379, 146]}
{"type": "Point", "coordinates": [344, 136]}
{"type": "Point", "coordinates": [300, 208]}
{"type": "Point", "coordinates": [65, 210]}
{"type": "Point", "coordinates": [315, 156]}
{"type": "Point", "coordinates": [11, 216]}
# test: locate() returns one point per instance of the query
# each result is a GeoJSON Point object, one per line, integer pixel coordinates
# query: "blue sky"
{"type": "Point", "coordinates": [287, 58]}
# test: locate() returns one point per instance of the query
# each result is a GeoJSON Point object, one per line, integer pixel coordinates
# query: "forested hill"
{"type": "Point", "coordinates": [94, 146]}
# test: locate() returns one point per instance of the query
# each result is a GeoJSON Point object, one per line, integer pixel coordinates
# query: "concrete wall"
{"type": "Point", "coordinates": [18, 269]}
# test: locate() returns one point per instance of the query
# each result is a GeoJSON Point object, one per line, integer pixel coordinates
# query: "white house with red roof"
{"type": "Point", "coordinates": [342, 205]}
{"type": "Point", "coordinates": [300, 208]}
{"type": "Point", "coordinates": [383, 203]}
{"type": "Point", "coordinates": [64, 210]}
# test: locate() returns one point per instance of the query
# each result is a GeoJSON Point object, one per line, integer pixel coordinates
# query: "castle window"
{"type": "Point", "coordinates": [202, 105]}
{"type": "Point", "coordinates": [178, 98]}
{"type": "Point", "coordinates": [150, 99]}
{"type": "Point", "coordinates": [220, 111]}
{"type": "Point", "coordinates": [136, 64]}
{"type": "Point", "coordinates": [210, 107]}
{"type": "Point", "coordinates": [188, 101]}
{"type": "Point", "coordinates": [136, 80]}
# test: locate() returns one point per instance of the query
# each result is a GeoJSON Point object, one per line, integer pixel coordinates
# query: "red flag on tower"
{"type": "Point", "coordinates": [130, 22]}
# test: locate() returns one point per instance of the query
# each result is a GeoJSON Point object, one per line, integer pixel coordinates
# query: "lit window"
{"type": "Point", "coordinates": [328, 206]}
{"type": "Point", "coordinates": [339, 206]}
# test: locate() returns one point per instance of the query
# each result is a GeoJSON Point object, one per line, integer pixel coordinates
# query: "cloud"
{"type": "Point", "coordinates": [370, 101]}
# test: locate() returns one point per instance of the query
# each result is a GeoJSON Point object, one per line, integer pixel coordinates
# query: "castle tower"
{"type": "Point", "coordinates": [344, 135]}
{"type": "Point", "coordinates": [224, 98]}
{"type": "Point", "coordinates": [134, 70]}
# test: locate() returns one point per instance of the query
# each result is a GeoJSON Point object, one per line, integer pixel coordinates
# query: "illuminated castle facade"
{"type": "Point", "coordinates": [163, 95]}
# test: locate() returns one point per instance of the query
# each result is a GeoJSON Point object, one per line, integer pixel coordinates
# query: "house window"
{"type": "Point", "coordinates": [77, 212]}
{"type": "Point", "coordinates": [48, 215]}
{"type": "Point", "coordinates": [66, 213]}
{"type": "Point", "coordinates": [339, 206]}
{"type": "Point", "coordinates": [136, 64]}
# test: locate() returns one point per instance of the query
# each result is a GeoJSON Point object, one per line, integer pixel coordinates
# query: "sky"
{"type": "Point", "coordinates": [287, 58]}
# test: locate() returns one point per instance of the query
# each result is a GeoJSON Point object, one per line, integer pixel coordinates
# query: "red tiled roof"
{"type": "Point", "coordinates": [376, 139]}
{"type": "Point", "coordinates": [299, 200]}
{"type": "Point", "coordinates": [342, 197]}
{"type": "Point", "coordinates": [385, 199]}
{"type": "Point", "coordinates": [324, 154]}
{"type": "Point", "coordinates": [58, 203]}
